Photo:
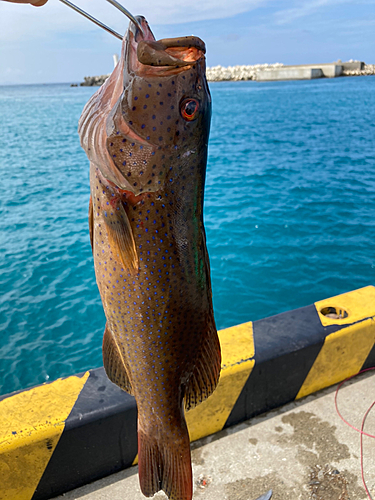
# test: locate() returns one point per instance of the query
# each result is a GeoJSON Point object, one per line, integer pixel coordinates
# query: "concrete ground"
{"type": "Point", "coordinates": [303, 451]}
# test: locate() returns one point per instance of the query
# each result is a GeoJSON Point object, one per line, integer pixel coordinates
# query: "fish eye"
{"type": "Point", "coordinates": [189, 109]}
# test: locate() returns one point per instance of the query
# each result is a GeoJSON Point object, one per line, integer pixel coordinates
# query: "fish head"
{"type": "Point", "coordinates": [154, 112]}
{"type": "Point", "coordinates": [166, 98]}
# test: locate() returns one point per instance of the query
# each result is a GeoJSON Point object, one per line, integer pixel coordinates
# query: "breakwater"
{"type": "Point", "coordinates": [94, 81]}
{"type": "Point", "coordinates": [276, 71]}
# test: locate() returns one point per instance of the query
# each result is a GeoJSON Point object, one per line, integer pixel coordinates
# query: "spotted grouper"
{"type": "Point", "coordinates": [145, 133]}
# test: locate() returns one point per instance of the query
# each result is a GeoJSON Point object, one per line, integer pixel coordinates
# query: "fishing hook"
{"type": "Point", "coordinates": [99, 23]}
{"type": "Point", "coordinates": [127, 14]}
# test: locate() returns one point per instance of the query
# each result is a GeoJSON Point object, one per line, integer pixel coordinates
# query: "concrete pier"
{"type": "Point", "coordinates": [278, 71]}
{"type": "Point", "coordinates": [75, 430]}
{"type": "Point", "coordinates": [302, 72]}
{"type": "Point", "coordinates": [302, 451]}
{"type": "Point", "coordinates": [353, 66]}
{"type": "Point", "coordinates": [289, 73]}
{"type": "Point", "coordinates": [329, 70]}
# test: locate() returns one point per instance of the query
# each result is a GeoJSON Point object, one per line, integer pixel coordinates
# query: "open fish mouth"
{"type": "Point", "coordinates": [147, 56]}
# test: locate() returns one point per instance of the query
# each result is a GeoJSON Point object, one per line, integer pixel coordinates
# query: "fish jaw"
{"type": "Point", "coordinates": [147, 57]}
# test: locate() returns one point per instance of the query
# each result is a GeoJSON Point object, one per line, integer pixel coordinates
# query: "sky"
{"type": "Point", "coordinates": [53, 44]}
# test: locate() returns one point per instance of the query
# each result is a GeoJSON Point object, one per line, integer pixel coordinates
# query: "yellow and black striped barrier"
{"type": "Point", "coordinates": [58, 436]}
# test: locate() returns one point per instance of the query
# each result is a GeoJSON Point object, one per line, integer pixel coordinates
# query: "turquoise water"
{"type": "Point", "coordinates": [290, 213]}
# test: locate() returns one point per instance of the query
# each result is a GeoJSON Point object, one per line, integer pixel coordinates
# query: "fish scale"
{"type": "Point", "coordinates": [147, 143]}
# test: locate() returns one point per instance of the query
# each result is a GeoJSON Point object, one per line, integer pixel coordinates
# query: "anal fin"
{"type": "Point", "coordinates": [114, 363]}
{"type": "Point", "coordinates": [206, 373]}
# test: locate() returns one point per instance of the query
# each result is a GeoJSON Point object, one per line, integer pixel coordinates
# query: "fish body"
{"type": "Point", "coordinates": [145, 133]}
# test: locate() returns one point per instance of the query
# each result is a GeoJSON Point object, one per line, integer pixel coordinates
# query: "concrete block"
{"type": "Point", "coordinates": [329, 70]}
{"type": "Point", "coordinates": [353, 65]}
{"type": "Point", "coordinates": [332, 70]}
{"type": "Point", "coordinates": [289, 73]}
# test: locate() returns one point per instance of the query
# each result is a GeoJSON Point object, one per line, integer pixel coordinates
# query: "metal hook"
{"type": "Point", "coordinates": [88, 16]}
{"type": "Point", "coordinates": [99, 23]}
{"type": "Point", "coordinates": [127, 13]}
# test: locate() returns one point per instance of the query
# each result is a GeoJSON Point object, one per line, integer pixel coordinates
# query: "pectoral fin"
{"type": "Point", "coordinates": [121, 237]}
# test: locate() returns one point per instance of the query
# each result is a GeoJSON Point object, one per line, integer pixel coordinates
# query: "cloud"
{"type": "Point", "coordinates": [304, 9]}
{"type": "Point", "coordinates": [11, 72]}
{"type": "Point", "coordinates": [20, 22]}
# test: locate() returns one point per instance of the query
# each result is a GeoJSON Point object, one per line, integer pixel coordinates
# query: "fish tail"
{"type": "Point", "coordinates": [165, 464]}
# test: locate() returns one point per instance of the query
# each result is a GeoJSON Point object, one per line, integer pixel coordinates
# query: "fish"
{"type": "Point", "coordinates": [145, 133]}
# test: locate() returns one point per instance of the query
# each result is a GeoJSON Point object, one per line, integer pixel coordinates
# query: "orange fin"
{"type": "Point", "coordinates": [121, 237]}
{"type": "Point", "coordinates": [114, 363]}
{"type": "Point", "coordinates": [165, 465]}
{"type": "Point", "coordinates": [91, 223]}
{"type": "Point", "coordinates": [205, 376]}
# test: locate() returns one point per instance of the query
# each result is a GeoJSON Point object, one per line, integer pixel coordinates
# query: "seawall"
{"type": "Point", "coordinates": [278, 71]}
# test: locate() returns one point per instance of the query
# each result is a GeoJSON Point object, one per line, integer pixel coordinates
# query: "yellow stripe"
{"type": "Point", "coordinates": [31, 424]}
{"type": "Point", "coordinates": [237, 353]}
{"type": "Point", "coordinates": [345, 351]}
{"type": "Point", "coordinates": [237, 350]}
{"type": "Point", "coordinates": [359, 304]}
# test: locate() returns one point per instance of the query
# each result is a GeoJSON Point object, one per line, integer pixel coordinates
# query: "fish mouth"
{"type": "Point", "coordinates": [147, 56]}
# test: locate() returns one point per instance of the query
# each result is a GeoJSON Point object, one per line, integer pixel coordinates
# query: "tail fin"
{"type": "Point", "coordinates": [165, 464]}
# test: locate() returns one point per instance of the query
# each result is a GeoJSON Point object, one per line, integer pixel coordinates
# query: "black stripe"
{"type": "Point", "coordinates": [286, 346]}
{"type": "Point", "coordinates": [100, 438]}
{"type": "Point", "coordinates": [370, 361]}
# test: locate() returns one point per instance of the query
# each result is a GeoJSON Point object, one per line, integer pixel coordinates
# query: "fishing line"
{"type": "Point", "coordinates": [361, 431]}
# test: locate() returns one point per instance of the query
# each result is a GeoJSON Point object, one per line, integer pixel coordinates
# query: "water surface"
{"type": "Point", "coordinates": [289, 213]}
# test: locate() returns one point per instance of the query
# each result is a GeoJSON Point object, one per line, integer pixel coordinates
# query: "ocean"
{"type": "Point", "coordinates": [289, 213]}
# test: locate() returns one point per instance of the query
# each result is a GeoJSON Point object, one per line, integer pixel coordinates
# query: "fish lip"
{"type": "Point", "coordinates": [134, 65]}
{"type": "Point", "coordinates": [132, 38]}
